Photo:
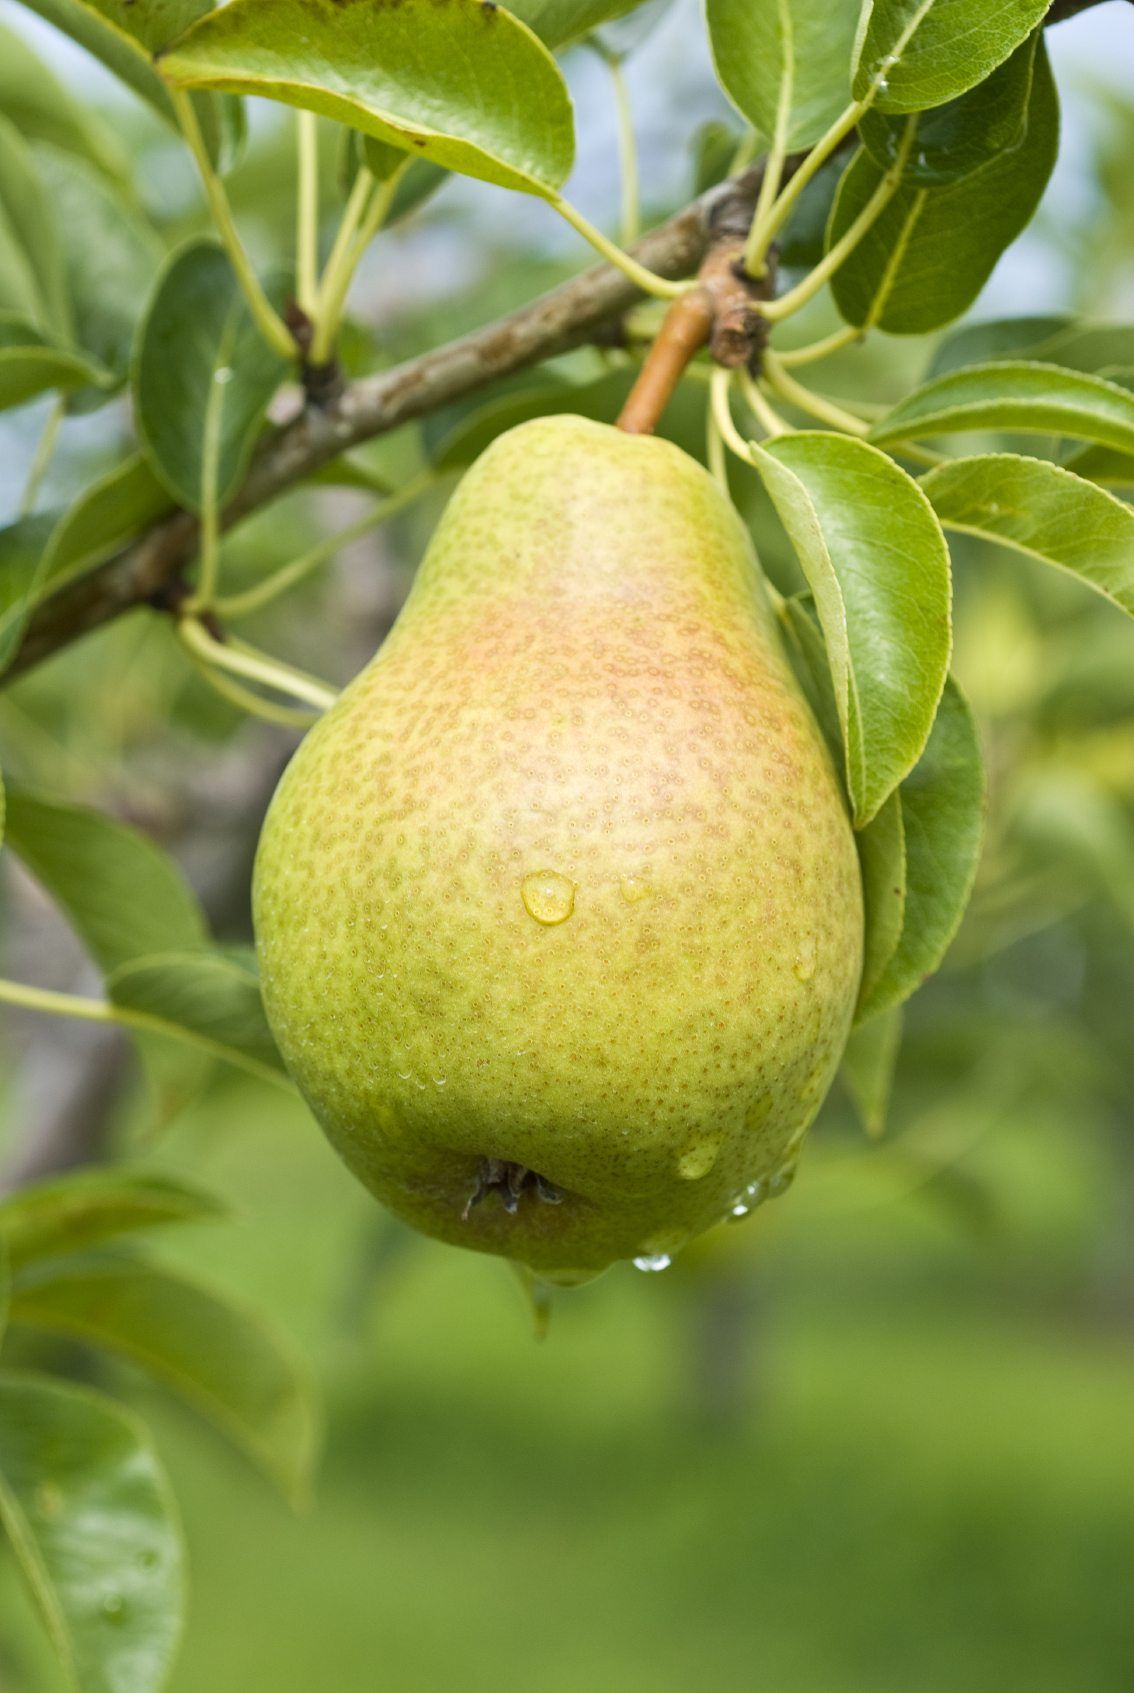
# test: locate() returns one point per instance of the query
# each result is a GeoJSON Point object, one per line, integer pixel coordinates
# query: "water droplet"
{"type": "Point", "coordinates": [781, 1180]}
{"type": "Point", "coordinates": [635, 888]}
{"type": "Point", "coordinates": [697, 1160]}
{"type": "Point", "coordinates": [113, 1607]}
{"type": "Point", "coordinates": [548, 896]}
{"type": "Point", "coordinates": [883, 85]}
{"type": "Point", "coordinates": [440, 1081]}
{"type": "Point", "coordinates": [223, 375]}
{"type": "Point", "coordinates": [804, 965]}
{"type": "Point", "coordinates": [745, 1203]}
{"type": "Point", "coordinates": [651, 1262]}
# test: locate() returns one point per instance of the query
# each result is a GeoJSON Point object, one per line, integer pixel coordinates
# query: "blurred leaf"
{"type": "Point", "coordinates": [102, 517]}
{"type": "Point", "coordinates": [209, 994]}
{"type": "Point", "coordinates": [69, 1213]}
{"type": "Point", "coordinates": [1063, 341]}
{"type": "Point", "coordinates": [1033, 398]}
{"type": "Point", "coordinates": [202, 374]}
{"type": "Point", "coordinates": [1041, 510]}
{"type": "Point", "coordinates": [877, 564]}
{"type": "Point", "coordinates": [30, 364]}
{"type": "Point", "coordinates": [625, 32]}
{"type": "Point", "coordinates": [925, 259]}
{"type": "Point", "coordinates": [124, 896]}
{"type": "Point", "coordinates": [804, 240]}
{"type": "Point", "coordinates": [382, 159]}
{"type": "Point", "coordinates": [224, 1361]}
{"type": "Point", "coordinates": [943, 819]}
{"type": "Point", "coordinates": [882, 858]}
{"type": "Point", "coordinates": [713, 147]}
{"type": "Point", "coordinates": [867, 1072]}
{"type": "Point", "coordinates": [1071, 811]}
{"type": "Point", "coordinates": [785, 64]}
{"type": "Point", "coordinates": [32, 284]}
{"type": "Point", "coordinates": [5, 1288]}
{"type": "Point", "coordinates": [23, 546]}
{"type": "Point", "coordinates": [461, 83]}
{"type": "Point", "coordinates": [919, 53]}
{"type": "Point", "coordinates": [111, 255]}
{"type": "Point", "coordinates": [93, 1527]}
{"type": "Point", "coordinates": [41, 108]}
{"type": "Point", "coordinates": [123, 35]}
{"type": "Point", "coordinates": [965, 134]}
{"type": "Point", "coordinates": [560, 23]}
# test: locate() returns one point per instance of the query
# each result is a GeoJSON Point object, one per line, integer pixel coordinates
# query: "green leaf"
{"type": "Point", "coordinates": [124, 896]}
{"type": "Point", "coordinates": [1053, 340]}
{"type": "Point", "coordinates": [925, 259]}
{"type": "Point", "coordinates": [76, 1211]}
{"type": "Point", "coordinates": [1043, 511]}
{"type": "Point", "coordinates": [460, 82]}
{"type": "Point", "coordinates": [560, 23]}
{"type": "Point", "coordinates": [210, 994]}
{"type": "Point", "coordinates": [803, 642]}
{"type": "Point", "coordinates": [30, 364]}
{"type": "Point", "coordinates": [877, 564]}
{"type": "Point", "coordinates": [5, 1288]}
{"type": "Point", "coordinates": [102, 518]}
{"type": "Point", "coordinates": [123, 35]}
{"type": "Point", "coordinates": [93, 1526]}
{"type": "Point", "coordinates": [1039, 399]}
{"type": "Point", "coordinates": [32, 284]}
{"type": "Point", "coordinates": [882, 860]}
{"type": "Point", "coordinates": [224, 1361]}
{"type": "Point", "coordinates": [111, 255]}
{"type": "Point", "coordinates": [942, 819]}
{"type": "Point", "coordinates": [965, 134]}
{"type": "Point", "coordinates": [23, 546]}
{"type": "Point", "coordinates": [34, 100]}
{"type": "Point", "coordinates": [919, 53]}
{"type": "Point", "coordinates": [785, 64]}
{"type": "Point", "coordinates": [624, 32]}
{"type": "Point", "coordinates": [203, 375]}
{"type": "Point", "coordinates": [867, 1071]}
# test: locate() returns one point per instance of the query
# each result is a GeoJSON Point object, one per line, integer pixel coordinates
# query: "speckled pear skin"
{"type": "Point", "coordinates": [565, 877]}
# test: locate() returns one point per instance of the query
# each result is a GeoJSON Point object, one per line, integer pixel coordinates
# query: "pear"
{"type": "Point", "coordinates": [558, 908]}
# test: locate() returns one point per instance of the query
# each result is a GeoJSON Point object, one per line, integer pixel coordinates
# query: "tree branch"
{"type": "Point", "coordinates": [570, 316]}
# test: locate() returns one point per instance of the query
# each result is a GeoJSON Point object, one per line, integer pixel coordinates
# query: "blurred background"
{"type": "Point", "coordinates": [878, 1436]}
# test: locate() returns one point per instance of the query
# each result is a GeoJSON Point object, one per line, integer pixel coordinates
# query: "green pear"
{"type": "Point", "coordinates": [558, 908]}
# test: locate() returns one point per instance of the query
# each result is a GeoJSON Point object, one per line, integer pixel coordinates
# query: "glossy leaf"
{"type": "Point", "coordinates": [123, 895]}
{"type": "Point", "coordinates": [919, 53]}
{"type": "Point", "coordinates": [93, 1527]}
{"type": "Point", "coordinates": [867, 1070]}
{"type": "Point", "coordinates": [459, 82]}
{"type": "Point", "coordinates": [882, 859]}
{"type": "Point", "coordinates": [32, 282]}
{"type": "Point", "coordinates": [210, 994]}
{"type": "Point", "coordinates": [877, 564]}
{"type": "Point", "coordinates": [223, 1360]}
{"type": "Point", "coordinates": [785, 64]}
{"type": "Point", "coordinates": [942, 820]}
{"type": "Point", "coordinates": [23, 546]}
{"type": "Point", "coordinates": [73, 1212]}
{"type": "Point", "coordinates": [1032, 398]}
{"type": "Point", "coordinates": [203, 375]}
{"type": "Point", "coordinates": [111, 256]}
{"type": "Point", "coordinates": [927, 256]}
{"type": "Point", "coordinates": [30, 364]}
{"type": "Point", "coordinates": [803, 642]}
{"type": "Point", "coordinates": [39, 106]}
{"type": "Point", "coordinates": [1043, 511]}
{"type": "Point", "coordinates": [964, 134]}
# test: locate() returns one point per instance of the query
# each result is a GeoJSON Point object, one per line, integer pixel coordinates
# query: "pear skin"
{"type": "Point", "coordinates": [558, 908]}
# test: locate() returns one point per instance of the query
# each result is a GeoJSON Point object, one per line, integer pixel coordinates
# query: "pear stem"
{"type": "Point", "coordinates": [685, 329]}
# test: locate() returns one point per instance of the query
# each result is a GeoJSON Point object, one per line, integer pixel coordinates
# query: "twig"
{"type": "Point", "coordinates": [570, 316]}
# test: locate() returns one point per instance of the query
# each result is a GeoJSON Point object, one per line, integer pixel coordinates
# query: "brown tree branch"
{"type": "Point", "coordinates": [570, 316]}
